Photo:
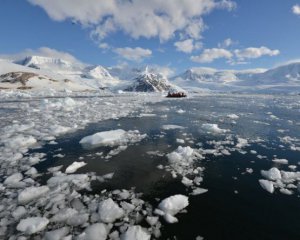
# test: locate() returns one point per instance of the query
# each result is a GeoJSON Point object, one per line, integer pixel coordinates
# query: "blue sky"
{"type": "Point", "coordinates": [222, 34]}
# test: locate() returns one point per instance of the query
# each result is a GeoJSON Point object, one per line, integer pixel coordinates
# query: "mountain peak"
{"type": "Point", "coordinates": [151, 82]}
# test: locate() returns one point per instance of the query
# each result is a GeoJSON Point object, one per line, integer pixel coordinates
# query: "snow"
{"type": "Point", "coordinates": [109, 211]}
{"type": "Point", "coordinates": [173, 205]}
{"type": "Point", "coordinates": [111, 138]}
{"type": "Point", "coordinates": [213, 128]}
{"type": "Point", "coordinates": [31, 193]}
{"type": "Point", "coordinates": [135, 233]}
{"type": "Point", "coordinates": [32, 225]}
{"type": "Point", "coordinates": [267, 185]}
{"type": "Point", "coordinates": [75, 166]}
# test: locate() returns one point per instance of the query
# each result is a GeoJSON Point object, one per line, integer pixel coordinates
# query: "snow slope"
{"type": "Point", "coordinates": [14, 76]}
{"type": "Point", "coordinates": [89, 75]}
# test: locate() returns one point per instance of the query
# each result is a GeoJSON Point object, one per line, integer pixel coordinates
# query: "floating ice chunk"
{"type": "Point", "coordinates": [77, 179]}
{"type": "Point", "coordinates": [286, 191]}
{"type": "Point", "coordinates": [78, 219]}
{"type": "Point", "coordinates": [290, 176]}
{"type": "Point", "coordinates": [233, 116]}
{"type": "Point", "coordinates": [32, 225]}
{"type": "Point", "coordinates": [74, 166]}
{"type": "Point", "coordinates": [111, 138]}
{"type": "Point", "coordinates": [19, 212]}
{"type": "Point", "coordinates": [59, 130]}
{"type": "Point", "coordinates": [170, 218]}
{"type": "Point", "coordinates": [199, 238]}
{"type": "Point", "coordinates": [31, 171]}
{"type": "Point", "coordinates": [147, 115]}
{"type": "Point", "coordinates": [13, 180]}
{"type": "Point", "coordinates": [267, 185]}
{"type": "Point", "coordinates": [57, 234]}
{"type": "Point", "coordinates": [187, 182]}
{"type": "Point", "coordinates": [213, 128]}
{"type": "Point", "coordinates": [174, 204]}
{"type": "Point", "coordinates": [198, 191]}
{"type": "Point", "coordinates": [20, 141]}
{"type": "Point", "coordinates": [135, 233]}
{"type": "Point", "coordinates": [181, 141]}
{"type": "Point", "coordinates": [97, 231]}
{"type": "Point", "coordinates": [171, 127]}
{"type": "Point", "coordinates": [109, 211]}
{"type": "Point", "coordinates": [31, 193]}
{"type": "Point", "coordinates": [272, 174]}
{"type": "Point", "coordinates": [241, 142]}
{"type": "Point", "coordinates": [55, 169]}
{"type": "Point", "coordinates": [182, 155]}
{"type": "Point", "coordinates": [180, 111]}
{"type": "Point", "coordinates": [151, 220]}
{"type": "Point", "coordinates": [281, 161]}
{"type": "Point", "coordinates": [63, 215]}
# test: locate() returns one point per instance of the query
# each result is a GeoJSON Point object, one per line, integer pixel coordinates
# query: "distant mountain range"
{"type": "Point", "coordinates": [58, 74]}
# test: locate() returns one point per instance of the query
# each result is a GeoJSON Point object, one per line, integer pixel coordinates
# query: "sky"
{"type": "Point", "coordinates": [177, 34]}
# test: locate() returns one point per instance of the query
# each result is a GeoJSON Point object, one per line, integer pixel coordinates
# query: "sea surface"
{"type": "Point", "coordinates": [235, 206]}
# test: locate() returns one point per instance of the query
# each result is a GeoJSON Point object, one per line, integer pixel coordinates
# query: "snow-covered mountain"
{"type": "Point", "coordinates": [92, 76]}
{"type": "Point", "coordinates": [283, 78]}
{"type": "Point", "coordinates": [15, 76]}
{"type": "Point", "coordinates": [60, 74]}
{"type": "Point", "coordinates": [151, 82]}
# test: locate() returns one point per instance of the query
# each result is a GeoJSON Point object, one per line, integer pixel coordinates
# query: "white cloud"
{"type": "Point", "coordinates": [44, 52]}
{"type": "Point", "coordinates": [136, 18]}
{"type": "Point", "coordinates": [226, 43]}
{"type": "Point", "coordinates": [296, 9]}
{"type": "Point", "coordinates": [133, 54]}
{"type": "Point", "coordinates": [252, 52]}
{"type": "Point", "coordinates": [164, 70]}
{"type": "Point", "coordinates": [187, 46]}
{"type": "Point", "coordinates": [104, 46]}
{"type": "Point", "coordinates": [209, 55]}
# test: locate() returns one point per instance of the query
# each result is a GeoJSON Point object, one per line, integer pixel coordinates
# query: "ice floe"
{"type": "Point", "coordinates": [173, 205]}
{"type": "Point", "coordinates": [112, 138]}
{"type": "Point", "coordinates": [74, 166]}
{"type": "Point", "coordinates": [214, 128]}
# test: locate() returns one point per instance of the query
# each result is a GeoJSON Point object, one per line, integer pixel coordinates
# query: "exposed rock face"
{"type": "Point", "coordinates": [17, 77]}
{"type": "Point", "coordinates": [150, 82]}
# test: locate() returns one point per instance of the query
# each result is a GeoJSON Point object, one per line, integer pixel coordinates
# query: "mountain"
{"type": "Point", "coordinates": [99, 73]}
{"type": "Point", "coordinates": [286, 73]}
{"type": "Point", "coordinates": [48, 63]}
{"type": "Point", "coordinates": [60, 74]}
{"type": "Point", "coordinates": [92, 76]}
{"type": "Point", "coordinates": [14, 76]}
{"type": "Point", "coordinates": [151, 82]}
{"type": "Point", "coordinates": [283, 78]}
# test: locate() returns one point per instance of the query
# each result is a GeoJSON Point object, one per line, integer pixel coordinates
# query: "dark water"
{"type": "Point", "coordinates": [220, 213]}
